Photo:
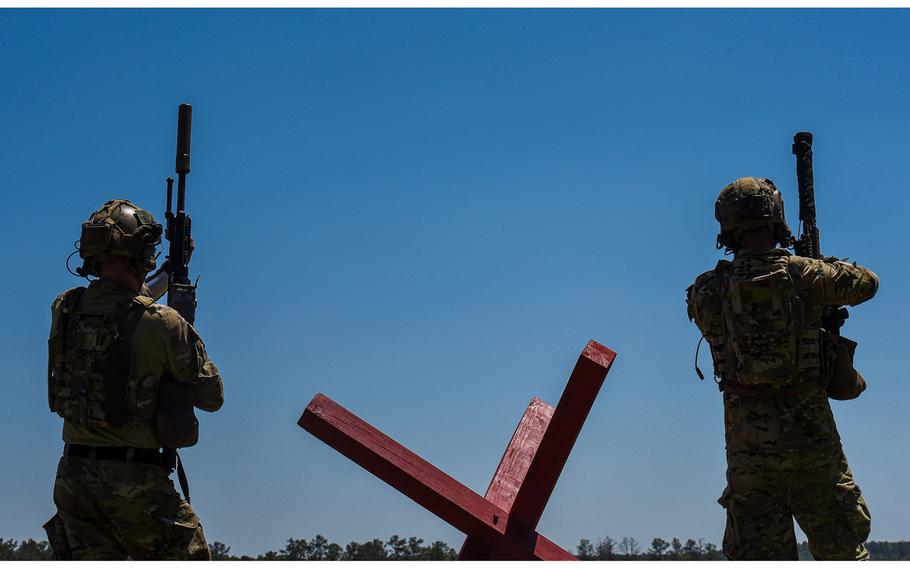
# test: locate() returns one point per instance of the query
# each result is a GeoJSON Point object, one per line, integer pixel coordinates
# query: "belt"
{"type": "Point", "coordinates": [149, 456]}
{"type": "Point", "coordinates": [762, 391]}
{"type": "Point", "coordinates": [166, 458]}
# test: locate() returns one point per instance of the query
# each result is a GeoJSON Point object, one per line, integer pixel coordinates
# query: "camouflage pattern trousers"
{"type": "Point", "coordinates": [109, 510]}
{"type": "Point", "coordinates": [766, 491]}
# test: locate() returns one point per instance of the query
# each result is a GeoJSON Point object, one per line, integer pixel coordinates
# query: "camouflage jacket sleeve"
{"type": "Point", "coordinates": [834, 282]}
{"type": "Point", "coordinates": [189, 363]}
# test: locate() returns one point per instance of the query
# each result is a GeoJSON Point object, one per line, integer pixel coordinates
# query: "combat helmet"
{"type": "Point", "coordinates": [119, 229]}
{"type": "Point", "coordinates": [747, 203]}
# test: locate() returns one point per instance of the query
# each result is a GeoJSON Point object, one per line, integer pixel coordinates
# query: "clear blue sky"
{"type": "Point", "coordinates": [426, 214]}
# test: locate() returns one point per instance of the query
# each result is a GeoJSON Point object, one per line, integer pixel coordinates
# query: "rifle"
{"type": "Point", "coordinates": [808, 243]}
{"type": "Point", "coordinates": [181, 293]}
{"type": "Point", "coordinates": [845, 382]}
{"type": "Point", "coordinates": [175, 423]}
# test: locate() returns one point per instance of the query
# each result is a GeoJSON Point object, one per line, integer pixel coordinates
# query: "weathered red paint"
{"type": "Point", "coordinates": [422, 481]}
{"type": "Point", "coordinates": [513, 467]}
{"type": "Point", "coordinates": [523, 486]}
{"type": "Point", "coordinates": [502, 524]}
{"type": "Point", "coordinates": [568, 418]}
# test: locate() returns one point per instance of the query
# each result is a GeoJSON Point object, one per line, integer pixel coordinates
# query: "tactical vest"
{"type": "Point", "coordinates": [90, 361]}
{"type": "Point", "coordinates": [757, 326]}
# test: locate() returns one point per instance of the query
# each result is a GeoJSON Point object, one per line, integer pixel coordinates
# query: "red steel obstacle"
{"type": "Point", "coordinates": [502, 524]}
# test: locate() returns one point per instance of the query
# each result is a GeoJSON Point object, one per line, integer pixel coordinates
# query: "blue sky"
{"type": "Point", "coordinates": [426, 214]}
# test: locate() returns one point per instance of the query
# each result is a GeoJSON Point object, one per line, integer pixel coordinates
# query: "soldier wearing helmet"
{"type": "Point", "coordinates": [111, 348]}
{"type": "Point", "coordinates": [761, 314]}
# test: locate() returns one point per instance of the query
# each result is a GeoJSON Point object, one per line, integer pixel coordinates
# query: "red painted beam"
{"type": "Point", "coordinates": [513, 467]}
{"type": "Point", "coordinates": [515, 462]}
{"type": "Point", "coordinates": [423, 482]}
{"type": "Point", "coordinates": [568, 418]}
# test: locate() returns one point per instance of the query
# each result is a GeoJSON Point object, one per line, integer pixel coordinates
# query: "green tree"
{"type": "Point", "coordinates": [629, 547]}
{"type": "Point", "coordinates": [676, 546]}
{"type": "Point", "coordinates": [370, 550]}
{"type": "Point", "coordinates": [605, 548]}
{"type": "Point", "coordinates": [270, 555]}
{"type": "Point", "coordinates": [899, 550]}
{"type": "Point", "coordinates": [317, 549]}
{"type": "Point", "coordinates": [690, 550]}
{"type": "Point", "coordinates": [322, 549]}
{"type": "Point", "coordinates": [658, 548]}
{"type": "Point", "coordinates": [220, 551]}
{"type": "Point", "coordinates": [404, 549]}
{"type": "Point", "coordinates": [438, 551]}
{"type": "Point", "coordinates": [7, 549]}
{"type": "Point", "coordinates": [295, 549]}
{"type": "Point", "coordinates": [32, 549]}
{"type": "Point", "coordinates": [712, 553]}
{"type": "Point", "coordinates": [585, 550]}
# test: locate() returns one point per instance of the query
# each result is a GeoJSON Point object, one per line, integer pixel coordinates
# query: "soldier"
{"type": "Point", "coordinates": [762, 317]}
{"type": "Point", "coordinates": [111, 351]}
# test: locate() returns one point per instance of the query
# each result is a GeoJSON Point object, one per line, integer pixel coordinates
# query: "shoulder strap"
{"type": "Point", "coordinates": [132, 315]}
{"type": "Point", "coordinates": [120, 360]}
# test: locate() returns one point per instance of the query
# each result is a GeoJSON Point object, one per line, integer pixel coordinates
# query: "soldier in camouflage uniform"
{"type": "Point", "coordinates": [110, 350]}
{"type": "Point", "coordinates": [762, 317]}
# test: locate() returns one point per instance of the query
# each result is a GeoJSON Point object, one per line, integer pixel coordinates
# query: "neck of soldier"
{"type": "Point", "coordinates": [120, 273]}
{"type": "Point", "coordinates": [758, 240]}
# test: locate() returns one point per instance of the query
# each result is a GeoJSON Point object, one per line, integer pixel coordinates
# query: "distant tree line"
{"type": "Point", "coordinates": [26, 550]}
{"type": "Point", "coordinates": [319, 548]}
{"type": "Point", "coordinates": [628, 548]}
{"type": "Point", "coordinates": [412, 548]}
{"type": "Point", "coordinates": [899, 550]}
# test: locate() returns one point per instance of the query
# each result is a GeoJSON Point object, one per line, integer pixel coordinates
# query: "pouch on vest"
{"type": "Point", "coordinates": [176, 424]}
{"type": "Point", "coordinates": [845, 382]}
